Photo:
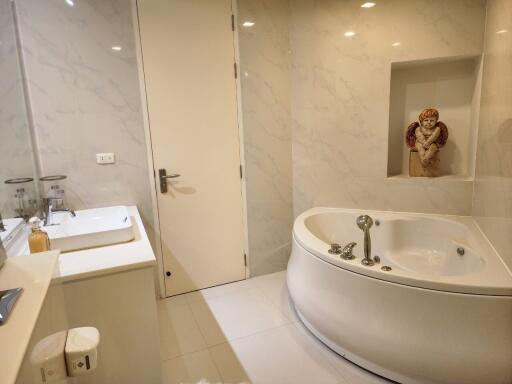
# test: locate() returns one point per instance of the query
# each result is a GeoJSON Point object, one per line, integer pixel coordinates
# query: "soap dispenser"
{"type": "Point", "coordinates": [38, 240]}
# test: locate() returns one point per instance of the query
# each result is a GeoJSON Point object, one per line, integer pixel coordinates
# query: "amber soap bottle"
{"type": "Point", "coordinates": [38, 240]}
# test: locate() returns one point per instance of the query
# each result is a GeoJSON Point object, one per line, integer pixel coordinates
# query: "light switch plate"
{"type": "Point", "coordinates": [105, 158]}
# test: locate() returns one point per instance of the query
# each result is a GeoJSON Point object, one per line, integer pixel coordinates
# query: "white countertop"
{"type": "Point", "coordinates": [32, 273]}
{"type": "Point", "coordinates": [36, 272]}
{"type": "Point", "coordinates": [104, 260]}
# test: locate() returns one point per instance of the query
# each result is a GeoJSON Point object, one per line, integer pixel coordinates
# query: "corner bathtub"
{"type": "Point", "coordinates": [435, 317]}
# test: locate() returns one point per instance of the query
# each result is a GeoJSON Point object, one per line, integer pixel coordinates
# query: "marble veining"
{"type": "Point", "coordinates": [16, 155]}
{"type": "Point", "coordinates": [492, 205]}
{"type": "Point", "coordinates": [340, 98]}
{"type": "Point", "coordinates": [311, 93]}
{"type": "Point", "coordinates": [85, 99]}
{"type": "Point", "coordinates": [265, 65]}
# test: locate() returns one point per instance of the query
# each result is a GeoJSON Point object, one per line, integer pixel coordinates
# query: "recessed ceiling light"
{"type": "Point", "coordinates": [70, 3]}
{"type": "Point", "coordinates": [248, 24]}
{"type": "Point", "coordinates": [349, 33]}
{"type": "Point", "coordinates": [368, 5]}
{"type": "Point", "coordinates": [396, 44]}
{"type": "Point", "coordinates": [117, 48]}
{"type": "Point", "coordinates": [501, 31]}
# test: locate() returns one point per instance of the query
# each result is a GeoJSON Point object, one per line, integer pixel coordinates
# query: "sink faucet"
{"type": "Point", "coordinates": [49, 206]}
{"type": "Point", "coordinates": [2, 226]}
{"type": "Point", "coordinates": [364, 222]}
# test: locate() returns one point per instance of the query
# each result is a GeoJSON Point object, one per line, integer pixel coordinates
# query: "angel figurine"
{"type": "Point", "coordinates": [426, 138]}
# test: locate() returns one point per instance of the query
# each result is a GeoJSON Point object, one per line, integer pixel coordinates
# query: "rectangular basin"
{"type": "Point", "coordinates": [90, 228]}
{"type": "Point", "coordinates": [11, 227]}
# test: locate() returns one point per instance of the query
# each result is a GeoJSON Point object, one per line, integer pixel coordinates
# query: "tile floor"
{"type": "Point", "coordinates": [246, 332]}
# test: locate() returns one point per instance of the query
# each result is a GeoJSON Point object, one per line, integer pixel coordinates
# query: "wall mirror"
{"type": "Point", "coordinates": [18, 174]}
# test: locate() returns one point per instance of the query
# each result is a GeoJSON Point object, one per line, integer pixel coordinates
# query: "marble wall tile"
{"type": "Point", "coordinates": [340, 89]}
{"type": "Point", "coordinates": [265, 66]}
{"type": "Point", "coordinates": [85, 99]}
{"type": "Point", "coordinates": [16, 155]}
{"type": "Point", "coordinates": [314, 95]}
{"type": "Point", "coordinates": [492, 202]}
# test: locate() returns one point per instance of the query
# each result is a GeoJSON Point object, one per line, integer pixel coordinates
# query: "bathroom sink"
{"type": "Point", "coordinates": [11, 226]}
{"type": "Point", "coordinates": [90, 228]}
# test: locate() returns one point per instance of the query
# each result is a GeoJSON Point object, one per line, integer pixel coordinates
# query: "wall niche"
{"type": "Point", "coordinates": [452, 86]}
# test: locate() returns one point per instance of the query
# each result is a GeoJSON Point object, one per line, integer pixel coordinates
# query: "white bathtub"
{"type": "Point", "coordinates": [436, 317]}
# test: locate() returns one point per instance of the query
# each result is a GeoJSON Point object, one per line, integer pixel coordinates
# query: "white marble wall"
{"type": "Point", "coordinates": [85, 98]}
{"type": "Point", "coordinates": [16, 156]}
{"type": "Point", "coordinates": [311, 92]}
{"type": "Point", "coordinates": [265, 66]}
{"type": "Point", "coordinates": [492, 202]}
{"type": "Point", "coordinates": [340, 90]}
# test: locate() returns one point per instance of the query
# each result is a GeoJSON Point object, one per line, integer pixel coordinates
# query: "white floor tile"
{"type": "Point", "coordinates": [353, 374]}
{"type": "Point", "coordinates": [253, 335]}
{"type": "Point", "coordinates": [349, 372]}
{"type": "Point", "coordinates": [236, 315]}
{"type": "Point", "coordinates": [197, 367]}
{"type": "Point", "coordinates": [274, 287]}
{"type": "Point", "coordinates": [280, 355]}
{"type": "Point", "coordinates": [175, 300]}
{"type": "Point", "coordinates": [220, 290]}
{"type": "Point", "coordinates": [179, 332]}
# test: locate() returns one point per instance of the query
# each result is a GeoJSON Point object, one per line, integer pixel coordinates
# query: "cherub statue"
{"type": "Point", "coordinates": [427, 136]}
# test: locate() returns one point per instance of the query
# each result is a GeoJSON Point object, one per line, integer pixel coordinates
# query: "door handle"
{"type": "Point", "coordinates": [163, 176]}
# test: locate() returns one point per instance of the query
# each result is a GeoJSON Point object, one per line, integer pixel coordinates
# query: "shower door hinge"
{"type": "Point", "coordinates": [233, 23]}
{"type": "Point", "coordinates": [236, 70]}
{"type": "Point", "coordinates": [241, 172]}
{"type": "Point", "coordinates": [245, 259]}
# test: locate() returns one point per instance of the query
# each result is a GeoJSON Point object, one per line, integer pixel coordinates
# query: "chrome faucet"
{"type": "Point", "coordinates": [49, 207]}
{"type": "Point", "coordinates": [364, 222]}
{"type": "Point", "coordinates": [346, 252]}
{"type": "Point", "coordinates": [2, 226]}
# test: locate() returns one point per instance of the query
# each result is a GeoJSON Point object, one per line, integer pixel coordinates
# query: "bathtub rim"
{"type": "Point", "coordinates": [497, 276]}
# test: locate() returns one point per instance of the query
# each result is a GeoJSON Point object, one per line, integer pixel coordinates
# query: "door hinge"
{"type": "Point", "coordinates": [233, 23]}
{"type": "Point", "coordinates": [245, 259]}
{"type": "Point", "coordinates": [236, 70]}
{"type": "Point", "coordinates": [241, 172]}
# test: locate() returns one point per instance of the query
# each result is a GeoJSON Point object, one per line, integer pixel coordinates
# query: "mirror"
{"type": "Point", "coordinates": [18, 186]}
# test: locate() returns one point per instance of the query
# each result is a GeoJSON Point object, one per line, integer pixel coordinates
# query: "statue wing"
{"type": "Point", "coordinates": [443, 136]}
{"type": "Point", "coordinates": [410, 135]}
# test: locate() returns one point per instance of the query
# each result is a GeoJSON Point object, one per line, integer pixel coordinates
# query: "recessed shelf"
{"type": "Point", "coordinates": [443, 178]}
{"type": "Point", "coordinates": [452, 86]}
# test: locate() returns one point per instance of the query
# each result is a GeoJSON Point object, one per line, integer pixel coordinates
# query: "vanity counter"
{"type": "Point", "coordinates": [109, 259]}
{"type": "Point", "coordinates": [32, 273]}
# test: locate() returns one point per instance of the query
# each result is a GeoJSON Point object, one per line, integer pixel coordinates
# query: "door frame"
{"type": "Point", "coordinates": [154, 232]}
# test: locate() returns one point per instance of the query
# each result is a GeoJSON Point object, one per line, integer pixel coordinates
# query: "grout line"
{"type": "Point", "coordinates": [163, 360]}
{"type": "Point", "coordinates": [198, 329]}
{"type": "Point", "coordinates": [203, 337]}
{"type": "Point", "coordinates": [251, 334]}
{"type": "Point", "coordinates": [205, 300]}
{"type": "Point", "coordinates": [215, 365]}
{"type": "Point", "coordinates": [267, 301]}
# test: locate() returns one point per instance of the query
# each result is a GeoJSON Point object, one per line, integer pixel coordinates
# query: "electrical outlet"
{"type": "Point", "coordinates": [105, 158]}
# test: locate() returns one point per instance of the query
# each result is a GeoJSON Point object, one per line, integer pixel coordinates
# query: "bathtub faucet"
{"type": "Point", "coordinates": [346, 252]}
{"type": "Point", "coordinates": [365, 222]}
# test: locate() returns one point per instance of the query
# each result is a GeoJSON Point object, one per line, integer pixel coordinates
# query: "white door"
{"type": "Point", "coordinates": [188, 56]}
